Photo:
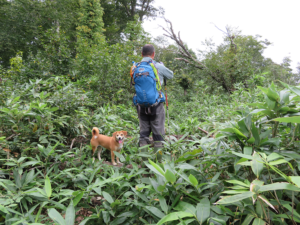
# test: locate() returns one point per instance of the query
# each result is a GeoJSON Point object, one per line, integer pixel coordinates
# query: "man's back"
{"type": "Point", "coordinates": [163, 71]}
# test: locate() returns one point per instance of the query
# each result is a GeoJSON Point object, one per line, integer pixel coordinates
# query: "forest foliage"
{"type": "Point", "coordinates": [232, 154]}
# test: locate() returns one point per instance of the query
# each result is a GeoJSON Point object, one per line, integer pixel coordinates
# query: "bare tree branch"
{"type": "Point", "coordinates": [188, 58]}
{"type": "Point", "coordinates": [183, 50]}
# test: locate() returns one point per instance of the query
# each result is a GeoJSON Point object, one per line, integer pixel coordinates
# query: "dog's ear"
{"type": "Point", "coordinates": [114, 134]}
{"type": "Point", "coordinates": [124, 132]}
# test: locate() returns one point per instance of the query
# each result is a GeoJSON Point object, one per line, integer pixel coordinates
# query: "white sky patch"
{"type": "Point", "coordinates": [275, 20]}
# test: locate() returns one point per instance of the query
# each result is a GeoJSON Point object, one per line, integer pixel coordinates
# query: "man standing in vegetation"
{"type": "Point", "coordinates": [153, 119]}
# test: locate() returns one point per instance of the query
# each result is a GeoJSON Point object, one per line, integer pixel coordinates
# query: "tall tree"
{"type": "Point", "coordinates": [22, 22]}
{"type": "Point", "coordinates": [117, 14]}
{"type": "Point", "coordinates": [90, 23]}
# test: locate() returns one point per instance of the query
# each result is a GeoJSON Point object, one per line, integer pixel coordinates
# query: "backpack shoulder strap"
{"type": "Point", "coordinates": [156, 76]}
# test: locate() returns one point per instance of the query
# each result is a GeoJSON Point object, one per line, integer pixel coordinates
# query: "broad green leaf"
{"type": "Point", "coordinates": [235, 131]}
{"type": "Point", "coordinates": [10, 164]}
{"type": "Point", "coordinates": [70, 214]}
{"type": "Point", "coordinates": [235, 191]}
{"type": "Point", "coordinates": [170, 176]}
{"type": "Point", "coordinates": [53, 109]}
{"type": "Point", "coordinates": [187, 156]}
{"type": "Point", "coordinates": [295, 180]}
{"type": "Point", "coordinates": [40, 211]}
{"type": "Point", "coordinates": [273, 156]}
{"type": "Point", "coordinates": [185, 207]}
{"type": "Point", "coordinates": [255, 134]}
{"type": "Point", "coordinates": [203, 210]}
{"type": "Point", "coordinates": [278, 186]}
{"type": "Point", "coordinates": [29, 163]}
{"type": "Point", "coordinates": [293, 119]}
{"type": "Point", "coordinates": [243, 128]}
{"type": "Point", "coordinates": [286, 217]}
{"type": "Point", "coordinates": [186, 166]}
{"type": "Point", "coordinates": [241, 161]}
{"type": "Point", "coordinates": [157, 167]}
{"type": "Point", "coordinates": [242, 155]}
{"type": "Point", "coordinates": [118, 221]}
{"type": "Point", "coordinates": [106, 217]}
{"type": "Point", "coordinates": [288, 206]}
{"type": "Point", "coordinates": [267, 202]}
{"type": "Point", "coordinates": [237, 182]}
{"type": "Point", "coordinates": [264, 90]}
{"type": "Point", "coordinates": [273, 95]}
{"type": "Point", "coordinates": [265, 134]}
{"type": "Point", "coordinates": [256, 164]}
{"type": "Point", "coordinates": [186, 222]}
{"type": "Point", "coordinates": [56, 217]}
{"type": "Point", "coordinates": [271, 141]}
{"type": "Point", "coordinates": [193, 180]}
{"type": "Point", "coordinates": [3, 209]}
{"type": "Point", "coordinates": [248, 219]}
{"type": "Point", "coordinates": [284, 109]}
{"type": "Point", "coordinates": [257, 111]}
{"type": "Point", "coordinates": [235, 198]}
{"type": "Point", "coordinates": [163, 203]}
{"type": "Point", "coordinates": [17, 178]}
{"type": "Point", "coordinates": [174, 216]}
{"type": "Point", "coordinates": [284, 97]}
{"type": "Point", "coordinates": [15, 100]}
{"type": "Point", "coordinates": [107, 197]}
{"type": "Point", "coordinates": [271, 104]}
{"type": "Point", "coordinates": [248, 150]}
{"type": "Point", "coordinates": [155, 211]}
{"type": "Point", "coordinates": [216, 176]}
{"type": "Point", "coordinates": [277, 162]}
{"type": "Point", "coordinates": [139, 194]}
{"type": "Point", "coordinates": [48, 188]}
{"type": "Point", "coordinates": [218, 220]}
{"type": "Point", "coordinates": [78, 198]}
{"type": "Point", "coordinates": [258, 221]}
{"type": "Point", "coordinates": [236, 166]}
{"type": "Point", "coordinates": [21, 159]}
{"type": "Point", "coordinates": [237, 187]}
{"type": "Point", "coordinates": [295, 90]}
{"type": "Point", "coordinates": [161, 188]}
{"type": "Point", "coordinates": [120, 156]}
{"type": "Point", "coordinates": [247, 163]}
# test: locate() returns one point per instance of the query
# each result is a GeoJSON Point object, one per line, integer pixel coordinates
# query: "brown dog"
{"type": "Point", "coordinates": [114, 143]}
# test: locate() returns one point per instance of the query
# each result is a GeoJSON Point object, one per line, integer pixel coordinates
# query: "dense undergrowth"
{"type": "Point", "coordinates": [240, 167]}
{"type": "Point", "coordinates": [231, 154]}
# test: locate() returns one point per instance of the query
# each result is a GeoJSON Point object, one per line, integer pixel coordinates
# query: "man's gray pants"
{"type": "Point", "coordinates": [152, 121]}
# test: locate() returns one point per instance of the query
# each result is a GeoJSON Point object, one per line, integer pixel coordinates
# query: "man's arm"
{"type": "Point", "coordinates": [164, 71]}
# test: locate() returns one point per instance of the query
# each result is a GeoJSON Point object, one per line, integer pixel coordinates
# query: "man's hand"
{"type": "Point", "coordinates": [162, 63]}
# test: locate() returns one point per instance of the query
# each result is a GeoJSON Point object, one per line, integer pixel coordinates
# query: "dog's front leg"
{"type": "Point", "coordinates": [99, 153]}
{"type": "Point", "coordinates": [94, 149]}
{"type": "Point", "coordinates": [118, 160]}
{"type": "Point", "coordinates": [113, 158]}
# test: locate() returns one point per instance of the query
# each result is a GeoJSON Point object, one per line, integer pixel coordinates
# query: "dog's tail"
{"type": "Point", "coordinates": [95, 131]}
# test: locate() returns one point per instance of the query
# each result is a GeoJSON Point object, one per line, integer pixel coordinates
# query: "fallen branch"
{"type": "Point", "coordinates": [72, 144]}
{"type": "Point", "coordinates": [11, 136]}
{"type": "Point", "coordinates": [207, 133]}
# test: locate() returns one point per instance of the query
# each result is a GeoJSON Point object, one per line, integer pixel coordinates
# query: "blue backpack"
{"type": "Point", "coordinates": [147, 85]}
